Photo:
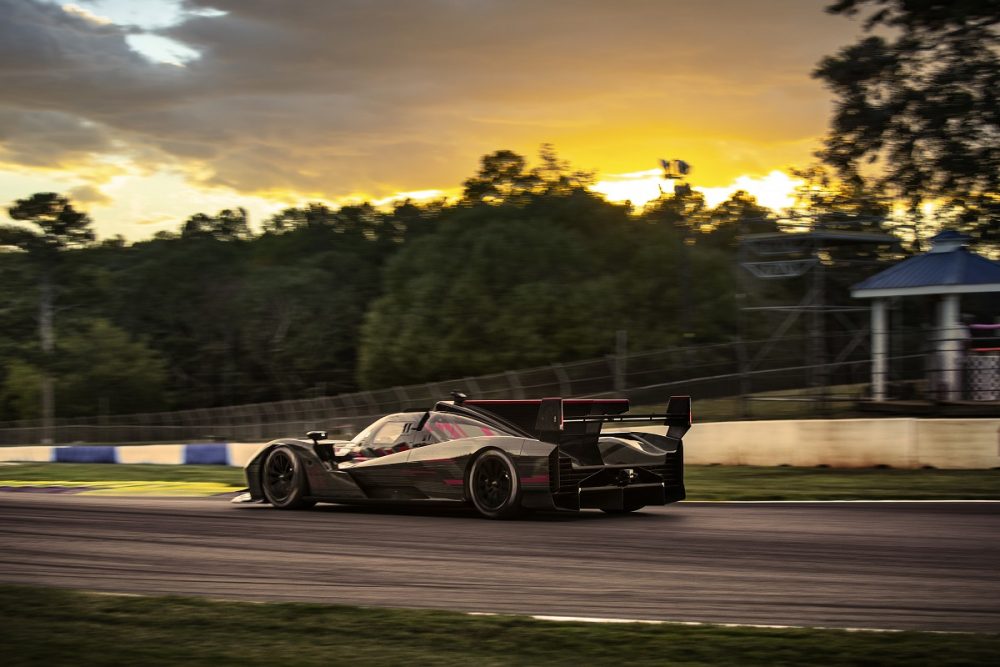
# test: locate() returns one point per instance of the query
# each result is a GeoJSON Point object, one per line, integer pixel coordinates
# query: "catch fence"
{"type": "Point", "coordinates": [753, 370]}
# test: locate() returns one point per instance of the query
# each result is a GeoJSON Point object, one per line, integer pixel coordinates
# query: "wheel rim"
{"type": "Point", "coordinates": [280, 475]}
{"type": "Point", "coordinates": [492, 483]}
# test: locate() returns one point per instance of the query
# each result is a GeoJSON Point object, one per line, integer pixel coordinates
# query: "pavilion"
{"type": "Point", "coordinates": [945, 272]}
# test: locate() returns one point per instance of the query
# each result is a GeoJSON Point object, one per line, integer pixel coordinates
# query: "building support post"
{"type": "Point", "coordinates": [880, 348]}
{"type": "Point", "coordinates": [950, 343]}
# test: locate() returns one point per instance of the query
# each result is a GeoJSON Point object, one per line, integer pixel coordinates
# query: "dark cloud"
{"type": "Point", "coordinates": [338, 97]}
{"type": "Point", "coordinates": [49, 138]}
{"type": "Point", "coordinates": [54, 60]}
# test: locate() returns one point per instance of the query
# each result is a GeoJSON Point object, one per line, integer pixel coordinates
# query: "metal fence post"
{"type": "Point", "coordinates": [621, 352]}
{"type": "Point", "coordinates": [565, 384]}
{"type": "Point", "coordinates": [401, 396]}
{"type": "Point", "coordinates": [517, 391]}
{"type": "Point", "coordinates": [369, 401]}
{"type": "Point", "coordinates": [472, 387]}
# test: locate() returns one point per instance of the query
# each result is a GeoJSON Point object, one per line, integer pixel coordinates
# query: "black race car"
{"type": "Point", "coordinates": [502, 457]}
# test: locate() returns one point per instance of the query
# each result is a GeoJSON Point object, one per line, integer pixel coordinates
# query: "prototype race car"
{"type": "Point", "coordinates": [502, 457]}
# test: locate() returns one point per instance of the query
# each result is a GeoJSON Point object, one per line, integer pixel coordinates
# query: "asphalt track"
{"type": "Point", "coordinates": [929, 566]}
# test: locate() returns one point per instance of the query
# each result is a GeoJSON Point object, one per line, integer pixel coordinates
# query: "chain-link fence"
{"type": "Point", "coordinates": [747, 369]}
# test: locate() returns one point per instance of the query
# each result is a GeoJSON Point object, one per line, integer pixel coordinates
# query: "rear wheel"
{"type": "Point", "coordinates": [284, 480]}
{"type": "Point", "coordinates": [493, 485]}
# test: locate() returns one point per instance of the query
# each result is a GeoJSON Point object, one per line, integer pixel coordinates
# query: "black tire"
{"type": "Point", "coordinates": [493, 485]}
{"type": "Point", "coordinates": [284, 480]}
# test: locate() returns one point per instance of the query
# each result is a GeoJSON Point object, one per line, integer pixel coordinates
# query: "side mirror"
{"type": "Point", "coordinates": [316, 436]}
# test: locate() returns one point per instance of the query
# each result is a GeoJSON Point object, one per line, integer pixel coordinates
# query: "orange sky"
{"type": "Point", "coordinates": [148, 112]}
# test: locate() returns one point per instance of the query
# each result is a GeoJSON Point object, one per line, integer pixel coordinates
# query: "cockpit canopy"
{"type": "Point", "coordinates": [408, 430]}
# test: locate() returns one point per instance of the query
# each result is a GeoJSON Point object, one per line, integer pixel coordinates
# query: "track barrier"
{"type": "Point", "coordinates": [838, 443]}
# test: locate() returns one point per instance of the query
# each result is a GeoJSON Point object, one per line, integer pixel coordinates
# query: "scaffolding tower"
{"type": "Point", "coordinates": [811, 248]}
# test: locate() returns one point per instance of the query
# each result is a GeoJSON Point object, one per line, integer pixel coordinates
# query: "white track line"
{"type": "Point", "coordinates": [646, 621]}
{"type": "Point", "coordinates": [587, 619]}
{"type": "Point", "coordinates": [817, 502]}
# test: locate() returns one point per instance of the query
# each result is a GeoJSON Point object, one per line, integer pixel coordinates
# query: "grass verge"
{"type": "Point", "coordinates": [102, 479]}
{"type": "Point", "coordinates": [786, 483]}
{"type": "Point", "coordinates": [109, 472]}
{"type": "Point", "coordinates": [703, 482]}
{"type": "Point", "coordinates": [48, 626]}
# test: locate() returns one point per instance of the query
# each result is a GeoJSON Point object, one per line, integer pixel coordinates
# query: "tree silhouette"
{"type": "Point", "coordinates": [504, 177]}
{"type": "Point", "coordinates": [922, 105]}
{"type": "Point", "coordinates": [60, 227]}
{"type": "Point", "coordinates": [227, 225]}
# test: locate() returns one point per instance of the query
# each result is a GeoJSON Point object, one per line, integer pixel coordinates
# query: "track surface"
{"type": "Point", "coordinates": [878, 565]}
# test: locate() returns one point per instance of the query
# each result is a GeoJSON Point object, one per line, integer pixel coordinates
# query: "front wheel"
{"type": "Point", "coordinates": [493, 485]}
{"type": "Point", "coordinates": [284, 480]}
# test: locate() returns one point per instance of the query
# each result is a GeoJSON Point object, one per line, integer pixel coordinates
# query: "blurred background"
{"type": "Point", "coordinates": [231, 221]}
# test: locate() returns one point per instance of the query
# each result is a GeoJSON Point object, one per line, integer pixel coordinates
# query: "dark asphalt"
{"type": "Point", "coordinates": [877, 565]}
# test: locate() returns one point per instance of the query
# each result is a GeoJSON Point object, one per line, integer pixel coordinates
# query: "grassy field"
{"type": "Point", "coordinates": [48, 626]}
{"type": "Point", "coordinates": [103, 479]}
{"type": "Point", "coordinates": [109, 472]}
{"type": "Point", "coordinates": [703, 482]}
{"type": "Point", "coordinates": [785, 483]}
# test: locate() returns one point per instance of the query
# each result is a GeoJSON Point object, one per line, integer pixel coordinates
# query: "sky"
{"type": "Point", "coordinates": [145, 112]}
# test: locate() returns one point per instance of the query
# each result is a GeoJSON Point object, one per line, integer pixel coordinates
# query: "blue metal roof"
{"type": "Point", "coordinates": [947, 264]}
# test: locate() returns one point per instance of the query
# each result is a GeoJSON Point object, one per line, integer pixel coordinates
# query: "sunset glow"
{"type": "Point", "coordinates": [775, 190]}
{"type": "Point", "coordinates": [146, 113]}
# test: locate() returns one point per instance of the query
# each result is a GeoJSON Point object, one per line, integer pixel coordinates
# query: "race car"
{"type": "Point", "coordinates": [500, 456]}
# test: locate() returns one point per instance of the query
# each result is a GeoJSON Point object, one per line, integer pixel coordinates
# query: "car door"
{"type": "Point", "coordinates": [386, 472]}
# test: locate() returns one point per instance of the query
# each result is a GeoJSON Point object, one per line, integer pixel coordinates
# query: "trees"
{"type": "Point", "coordinates": [739, 214]}
{"type": "Point", "coordinates": [504, 177]}
{"type": "Point", "coordinates": [922, 106]}
{"type": "Point", "coordinates": [491, 289]}
{"type": "Point", "coordinates": [226, 225]}
{"type": "Point", "coordinates": [545, 274]}
{"type": "Point", "coordinates": [824, 201]}
{"type": "Point", "coordinates": [102, 370]}
{"type": "Point", "coordinates": [681, 210]}
{"type": "Point", "coordinates": [539, 270]}
{"type": "Point", "coordinates": [60, 228]}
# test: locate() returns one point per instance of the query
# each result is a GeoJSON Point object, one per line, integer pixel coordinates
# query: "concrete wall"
{"type": "Point", "coordinates": [846, 443]}
{"type": "Point", "coordinates": [839, 443]}
{"type": "Point", "coordinates": [208, 453]}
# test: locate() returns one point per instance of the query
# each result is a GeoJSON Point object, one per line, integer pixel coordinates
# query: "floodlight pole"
{"type": "Point", "coordinates": [46, 333]}
{"type": "Point", "coordinates": [817, 328]}
{"type": "Point", "coordinates": [676, 170]}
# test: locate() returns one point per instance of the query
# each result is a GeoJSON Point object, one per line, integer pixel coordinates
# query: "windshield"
{"type": "Point", "coordinates": [368, 430]}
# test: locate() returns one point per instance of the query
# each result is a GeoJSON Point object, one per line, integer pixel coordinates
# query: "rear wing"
{"type": "Point", "coordinates": [552, 419]}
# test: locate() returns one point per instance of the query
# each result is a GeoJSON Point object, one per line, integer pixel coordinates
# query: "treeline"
{"type": "Point", "coordinates": [529, 267]}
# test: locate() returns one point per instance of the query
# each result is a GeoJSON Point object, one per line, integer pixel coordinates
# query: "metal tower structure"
{"type": "Point", "coordinates": [812, 249]}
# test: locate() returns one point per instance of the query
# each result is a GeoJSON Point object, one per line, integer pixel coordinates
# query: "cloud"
{"type": "Point", "coordinates": [330, 98]}
{"type": "Point", "coordinates": [49, 138]}
{"type": "Point", "coordinates": [85, 14]}
{"type": "Point", "coordinates": [88, 194]}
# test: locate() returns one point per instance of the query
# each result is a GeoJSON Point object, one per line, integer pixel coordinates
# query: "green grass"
{"type": "Point", "coordinates": [109, 472]}
{"type": "Point", "coordinates": [703, 482]}
{"type": "Point", "coordinates": [57, 627]}
{"type": "Point", "coordinates": [785, 483]}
